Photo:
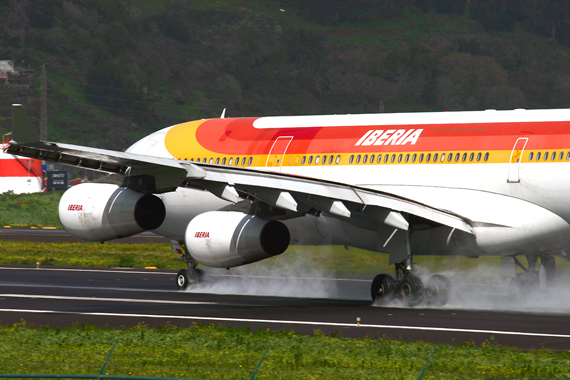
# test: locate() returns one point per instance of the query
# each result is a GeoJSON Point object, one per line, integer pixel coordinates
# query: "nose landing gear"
{"type": "Point", "coordinates": [190, 276]}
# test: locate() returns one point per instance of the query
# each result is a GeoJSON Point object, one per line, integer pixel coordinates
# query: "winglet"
{"type": "Point", "coordinates": [22, 129]}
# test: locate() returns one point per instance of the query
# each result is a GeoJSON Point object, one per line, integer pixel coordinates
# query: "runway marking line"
{"type": "Point", "coordinates": [73, 298]}
{"type": "Point", "coordinates": [310, 323]}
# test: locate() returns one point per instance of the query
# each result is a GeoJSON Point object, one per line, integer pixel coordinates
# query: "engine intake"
{"type": "Point", "coordinates": [101, 211]}
{"type": "Point", "coordinates": [225, 239]}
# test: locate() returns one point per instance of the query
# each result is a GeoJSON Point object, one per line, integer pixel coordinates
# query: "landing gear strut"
{"type": "Point", "coordinates": [532, 278]}
{"type": "Point", "coordinates": [190, 276]}
{"type": "Point", "coordinates": [408, 287]}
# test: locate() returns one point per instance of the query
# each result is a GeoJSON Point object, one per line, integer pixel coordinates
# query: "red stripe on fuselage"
{"type": "Point", "coordinates": [239, 137]}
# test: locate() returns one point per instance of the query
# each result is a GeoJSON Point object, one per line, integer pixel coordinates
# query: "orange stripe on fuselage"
{"type": "Point", "coordinates": [240, 137]}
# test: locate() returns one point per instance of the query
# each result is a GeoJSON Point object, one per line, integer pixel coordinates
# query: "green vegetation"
{"type": "Point", "coordinates": [119, 69]}
{"type": "Point", "coordinates": [26, 210]}
{"type": "Point", "coordinates": [211, 352]}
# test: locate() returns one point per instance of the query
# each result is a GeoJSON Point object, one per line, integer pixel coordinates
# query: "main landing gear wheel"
{"type": "Point", "coordinates": [186, 277]}
{"type": "Point", "coordinates": [411, 290]}
{"type": "Point", "coordinates": [383, 289]}
{"type": "Point", "coordinates": [438, 290]}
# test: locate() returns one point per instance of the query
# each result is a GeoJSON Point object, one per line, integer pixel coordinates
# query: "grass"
{"type": "Point", "coordinates": [212, 352]}
{"type": "Point", "coordinates": [26, 210]}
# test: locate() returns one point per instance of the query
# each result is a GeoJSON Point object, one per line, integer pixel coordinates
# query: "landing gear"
{"type": "Point", "coordinates": [411, 290]}
{"type": "Point", "coordinates": [383, 289]}
{"type": "Point", "coordinates": [186, 277]}
{"type": "Point", "coordinates": [532, 279]}
{"type": "Point", "coordinates": [408, 286]}
{"type": "Point", "coordinates": [190, 276]}
{"type": "Point", "coordinates": [438, 290]}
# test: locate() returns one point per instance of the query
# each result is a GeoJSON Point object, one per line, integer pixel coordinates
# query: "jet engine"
{"type": "Point", "coordinates": [225, 239]}
{"type": "Point", "coordinates": [101, 211]}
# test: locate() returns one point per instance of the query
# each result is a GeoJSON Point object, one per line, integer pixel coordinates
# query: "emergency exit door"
{"type": "Point", "coordinates": [277, 153]}
{"type": "Point", "coordinates": [515, 160]}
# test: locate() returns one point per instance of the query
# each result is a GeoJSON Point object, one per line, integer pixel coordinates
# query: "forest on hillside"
{"type": "Point", "coordinates": [119, 69]}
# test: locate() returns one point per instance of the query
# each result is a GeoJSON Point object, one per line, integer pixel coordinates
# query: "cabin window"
{"type": "Point", "coordinates": [486, 156]}
{"type": "Point", "coordinates": [217, 160]}
{"type": "Point", "coordinates": [414, 157]}
{"type": "Point", "coordinates": [435, 156]}
{"type": "Point", "coordinates": [428, 157]}
{"type": "Point", "coordinates": [324, 159]}
{"type": "Point", "coordinates": [449, 157]}
{"type": "Point", "coordinates": [530, 155]}
{"type": "Point", "coordinates": [297, 159]}
{"type": "Point", "coordinates": [351, 159]}
{"type": "Point", "coordinates": [561, 156]}
{"type": "Point", "coordinates": [197, 160]}
{"type": "Point", "coordinates": [442, 157]}
{"type": "Point", "coordinates": [317, 159]}
{"type": "Point", "coordinates": [464, 157]}
{"type": "Point", "coordinates": [538, 156]}
{"type": "Point", "coordinates": [457, 157]}
{"type": "Point", "coordinates": [568, 156]}
{"type": "Point", "coordinates": [311, 160]}
{"type": "Point", "coordinates": [243, 161]}
{"type": "Point", "coordinates": [358, 159]}
{"type": "Point", "coordinates": [251, 159]}
{"type": "Point", "coordinates": [337, 159]}
{"type": "Point", "coordinates": [545, 156]}
{"type": "Point", "coordinates": [303, 160]}
{"type": "Point", "coordinates": [379, 159]}
{"type": "Point", "coordinates": [205, 160]}
{"type": "Point", "coordinates": [365, 159]}
{"type": "Point", "coordinates": [224, 161]}
{"type": "Point", "coordinates": [386, 156]}
{"type": "Point", "coordinates": [372, 159]}
{"type": "Point", "coordinates": [553, 158]}
{"type": "Point", "coordinates": [237, 161]}
{"type": "Point", "coordinates": [230, 162]}
{"type": "Point", "coordinates": [407, 157]}
{"type": "Point", "coordinates": [421, 157]}
{"type": "Point", "coordinates": [478, 156]}
{"type": "Point", "coordinates": [400, 158]}
{"type": "Point", "coordinates": [393, 158]}
{"type": "Point", "coordinates": [471, 157]}
{"type": "Point", "coordinates": [331, 157]}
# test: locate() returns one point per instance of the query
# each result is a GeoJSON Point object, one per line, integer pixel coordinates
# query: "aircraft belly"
{"type": "Point", "coordinates": [502, 223]}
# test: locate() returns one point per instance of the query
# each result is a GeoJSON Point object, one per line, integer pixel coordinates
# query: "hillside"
{"type": "Point", "coordinates": [118, 70]}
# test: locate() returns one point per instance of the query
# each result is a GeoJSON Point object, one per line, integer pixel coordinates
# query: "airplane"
{"type": "Point", "coordinates": [233, 191]}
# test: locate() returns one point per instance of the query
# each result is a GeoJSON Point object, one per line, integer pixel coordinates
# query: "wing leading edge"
{"type": "Point", "coordinates": [294, 194]}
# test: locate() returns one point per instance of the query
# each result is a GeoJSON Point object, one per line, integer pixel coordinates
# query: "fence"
{"type": "Point", "coordinates": [241, 354]}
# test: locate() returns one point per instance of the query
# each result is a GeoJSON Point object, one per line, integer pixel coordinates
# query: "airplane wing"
{"type": "Point", "coordinates": [286, 192]}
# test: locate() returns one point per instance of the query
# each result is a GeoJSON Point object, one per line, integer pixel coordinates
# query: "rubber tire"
{"type": "Point", "coordinates": [200, 274]}
{"type": "Point", "coordinates": [182, 279]}
{"type": "Point", "coordinates": [383, 289]}
{"type": "Point", "coordinates": [411, 290]}
{"type": "Point", "coordinates": [438, 290]}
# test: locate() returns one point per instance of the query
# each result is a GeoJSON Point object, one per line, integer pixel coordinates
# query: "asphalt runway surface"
{"type": "Point", "coordinates": [125, 297]}
{"type": "Point", "coordinates": [53, 235]}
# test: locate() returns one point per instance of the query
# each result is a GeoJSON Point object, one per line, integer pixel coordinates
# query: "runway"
{"type": "Point", "coordinates": [125, 297]}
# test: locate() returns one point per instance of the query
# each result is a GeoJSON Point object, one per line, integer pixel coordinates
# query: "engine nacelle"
{"type": "Point", "coordinates": [102, 211]}
{"type": "Point", "coordinates": [225, 239]}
